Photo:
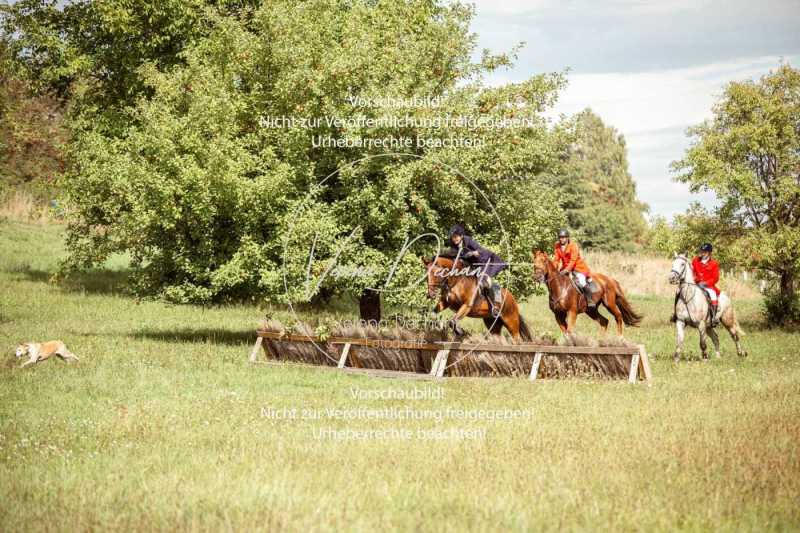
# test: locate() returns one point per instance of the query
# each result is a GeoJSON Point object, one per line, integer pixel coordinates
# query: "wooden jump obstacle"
{"type": "Point", "coordinates": [435, 360]}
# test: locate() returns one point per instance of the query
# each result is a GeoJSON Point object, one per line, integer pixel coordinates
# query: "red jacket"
{"type": "Point", "coordinates": [707, 273]}
{"type": "Point", "coordinates": [571, 259]}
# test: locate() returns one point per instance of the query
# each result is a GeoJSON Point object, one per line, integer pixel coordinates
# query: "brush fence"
{"type": "Point", "coordinates": [412, 359]}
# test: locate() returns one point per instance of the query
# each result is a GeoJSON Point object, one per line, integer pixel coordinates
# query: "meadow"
{"type": "Point", "coordinates": [164, 426]}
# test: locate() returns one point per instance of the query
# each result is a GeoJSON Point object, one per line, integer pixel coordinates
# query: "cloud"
{"type": "Point", "coordinates": [649, 68]}
{"type": "Point", "coordinates": [653, 110]}
{"type": "Point", "coordinates": [637, 35]}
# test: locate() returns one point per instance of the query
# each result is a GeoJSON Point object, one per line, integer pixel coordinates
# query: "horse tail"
{"type": "Point", "coordinates": [736, 327]}
{"type": "Point", "coordinates": [524, 332]}
{"type": "Point", "coordinates": [629, 315]}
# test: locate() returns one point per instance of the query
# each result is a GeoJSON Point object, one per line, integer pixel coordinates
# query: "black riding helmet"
{"type": "Point", "coordinates": [563, 233]}
{"type": "Point", "coordinates": [706, 247]}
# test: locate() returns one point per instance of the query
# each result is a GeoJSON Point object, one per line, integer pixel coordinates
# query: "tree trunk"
{"type": "Point", "coordinates": [369, 305]}
{"type": "Point", "coordinates": [787, 286]}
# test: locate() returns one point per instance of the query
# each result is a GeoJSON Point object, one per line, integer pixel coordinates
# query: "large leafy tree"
{"type": "Point", "coordinates": [213, 202]}
{"type": "Point", "coordinates": [595, 187]}
{"type": "Point", "coordinates": [749, 155]}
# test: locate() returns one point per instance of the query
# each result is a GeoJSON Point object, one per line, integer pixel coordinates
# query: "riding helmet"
{"type": "Point", "coordinates": [706, 247]}
{"type": "Point", "coordinates": [563, 233]}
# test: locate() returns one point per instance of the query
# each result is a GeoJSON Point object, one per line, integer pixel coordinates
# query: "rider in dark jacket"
{"type": "Point", "coordinates": [489, 262]}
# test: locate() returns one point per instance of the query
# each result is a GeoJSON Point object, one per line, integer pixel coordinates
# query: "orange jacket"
{"type": "Point", "coordinates": [570, 258]}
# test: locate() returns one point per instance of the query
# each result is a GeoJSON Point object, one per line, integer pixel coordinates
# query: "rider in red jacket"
{"type": "Point", "coordinates": [706, 275]}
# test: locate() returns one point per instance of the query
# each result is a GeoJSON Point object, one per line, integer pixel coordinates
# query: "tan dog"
{"type": "Point", "coordinates": [41, 351]}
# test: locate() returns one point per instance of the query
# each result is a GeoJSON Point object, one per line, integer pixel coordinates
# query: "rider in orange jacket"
{"type": "Point", "coordinates": [568, 255]}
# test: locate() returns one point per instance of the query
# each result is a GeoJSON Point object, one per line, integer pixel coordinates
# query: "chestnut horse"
{"type": "Point", "coordinates": [567, 302]}
{"type": "Point", "coordinates": [456, 287]}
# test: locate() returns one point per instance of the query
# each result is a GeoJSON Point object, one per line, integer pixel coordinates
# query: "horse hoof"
{"type": "Point", "coordinates": [718, 355]}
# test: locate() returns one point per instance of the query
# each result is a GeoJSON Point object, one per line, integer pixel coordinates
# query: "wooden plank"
{"type": "Point", "coordinates": [533, 348]}
{"type": "Point", "coordinates": [537, 360]}
{"type": "Point", "coordinates": [634, 368]}
{"type": "Point", "coordinates": [286, 336]}
{"type": "Point", "coordinates": [394, 374]}
{"type": "Point", "coordinates": [440, 363]}
{"type": "Point", "coordinates": [460, 346]}
{"type": "Point", "coordinates": [345, 353]}
{"type": "Point", "coordinates": [645, 362]}
{"type": "Point", "coordinates": [256, 349]}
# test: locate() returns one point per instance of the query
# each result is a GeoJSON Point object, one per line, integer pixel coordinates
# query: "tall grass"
{"type": "Point", "coordinates": [643, 274]}
{"type": "Point", "coordinates": [23, 206]}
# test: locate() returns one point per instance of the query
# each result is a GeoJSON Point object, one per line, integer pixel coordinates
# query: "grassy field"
{"type": "Point", "coordinates": [164, 426]}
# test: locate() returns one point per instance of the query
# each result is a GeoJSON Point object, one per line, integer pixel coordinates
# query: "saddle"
{"type": "Point", "coordinates": [710, 314]}
{"type": "Point", "coordinates": [591, 285]}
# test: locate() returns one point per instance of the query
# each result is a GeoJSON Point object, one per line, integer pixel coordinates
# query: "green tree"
{"type": "Point", "coordinates": [596, 189]}
{"type": "Point", "coordinates": [749, 155]}
{"type": "Point", "coordinates": [213, 203]}
{"type": "Point", "coordinates": [89, 52]}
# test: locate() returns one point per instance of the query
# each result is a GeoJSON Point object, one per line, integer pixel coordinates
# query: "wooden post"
{"type": "Point", "coordinates": [537, 360]}
{"type": "Point", "coordinates": [645, 362]}
{"type": "Point", "coordinates": [634, 368]}
{"type": "Point", "coordinates": [345, 353]}
{"type": "Point", "coordinates": [256, 349]}
{"type": "Point", "coordinates": [440, 363]}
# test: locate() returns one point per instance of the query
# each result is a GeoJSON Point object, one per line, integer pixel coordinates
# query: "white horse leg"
{"type": "Point", "coordinates": [680, 332]}
{"type": "Point", "coordinates": [715, 339]}
{"type": "Point", "coordinates": [701, 328]}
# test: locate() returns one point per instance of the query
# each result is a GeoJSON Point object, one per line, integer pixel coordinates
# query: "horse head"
{"type": "Point", "coordinates": [541, 265]}
{"type": "Point", "coordinates": [680, 266]}
{"type": "Point", "coordinates": [439, 268]}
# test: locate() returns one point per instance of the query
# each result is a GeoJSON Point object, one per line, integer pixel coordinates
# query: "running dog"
{"type": "Point", "coordinates": [39, 351]}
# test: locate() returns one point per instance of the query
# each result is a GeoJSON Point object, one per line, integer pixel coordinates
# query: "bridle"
{"type": "Point", "coordinates": [545, 278]}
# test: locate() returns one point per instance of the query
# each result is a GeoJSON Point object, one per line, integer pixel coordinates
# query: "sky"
{"type": "Point", "coordinates": [651, 69]}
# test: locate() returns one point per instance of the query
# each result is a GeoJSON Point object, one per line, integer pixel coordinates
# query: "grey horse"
{"type": "Point", "coordinates": [691, 309]}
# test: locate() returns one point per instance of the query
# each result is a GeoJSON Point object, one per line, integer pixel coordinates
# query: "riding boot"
{"type": "Point", "coordinates": [589, 294]}
{"type": "Point", "coordinates": [713, 312]}
{"type": "Point", "coordinates": [496, 300]}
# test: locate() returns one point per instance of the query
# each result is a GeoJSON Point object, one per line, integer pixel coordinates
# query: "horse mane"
{"type": "Point", "coordinates": [447, 253]}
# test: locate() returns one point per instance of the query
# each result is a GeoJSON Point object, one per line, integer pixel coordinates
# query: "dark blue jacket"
{"type": "Point", "coordinates": [486, 259]}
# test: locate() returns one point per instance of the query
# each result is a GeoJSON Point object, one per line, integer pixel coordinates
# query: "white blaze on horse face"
{"type": "Point", "coordinates": [678, 271]}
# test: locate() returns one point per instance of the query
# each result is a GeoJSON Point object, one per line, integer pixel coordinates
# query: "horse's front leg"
{"type": "Point", "coordinates": [561, 320]}
{"type": "Point", "coordinates": [703, 345]}
{"type": "Point", "coordinates": [461, 313]}
{"type": "Point", "coordinates": [715, 339]}
{"type": "Point", "coordinates": [572, 316]}
{"type": "Point", "coordinates": [680, 334]}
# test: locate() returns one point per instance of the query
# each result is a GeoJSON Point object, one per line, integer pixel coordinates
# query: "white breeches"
{"type": "Point", "coordinates": [580, 278]}
{"type": "Point", "coordinates": [712, 294]}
